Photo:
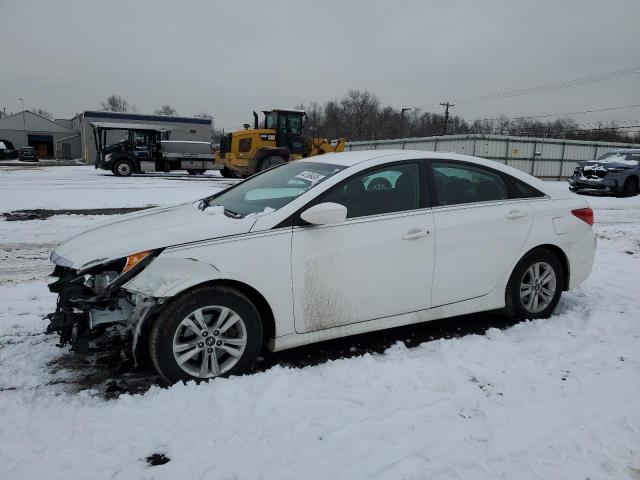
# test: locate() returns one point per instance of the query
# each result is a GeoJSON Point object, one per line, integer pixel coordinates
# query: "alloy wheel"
{"type": "Point", "coordinates": [538, 287]}
{"type": "Point", "coordinates": [209, 341]}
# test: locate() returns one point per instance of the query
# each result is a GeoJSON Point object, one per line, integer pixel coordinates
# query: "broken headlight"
{"type": "Point", "coordinates": [103, 278]}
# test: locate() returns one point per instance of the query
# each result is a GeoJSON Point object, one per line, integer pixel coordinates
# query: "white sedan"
{"type": "Point", "coordinates": [322, 248]}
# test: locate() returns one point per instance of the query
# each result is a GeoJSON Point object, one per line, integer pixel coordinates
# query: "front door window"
{"type": "Point", "coordinates": [386, 190]}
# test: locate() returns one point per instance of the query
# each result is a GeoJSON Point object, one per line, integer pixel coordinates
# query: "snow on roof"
{"type": "Point", "coordinates": [290, 110]}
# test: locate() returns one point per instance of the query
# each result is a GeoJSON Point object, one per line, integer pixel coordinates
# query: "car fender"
{"type": "Point", "coordinates": [166, 277]}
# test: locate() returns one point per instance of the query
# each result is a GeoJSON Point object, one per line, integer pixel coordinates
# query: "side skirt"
{"type": "Point", "coordinates": [492, 301]}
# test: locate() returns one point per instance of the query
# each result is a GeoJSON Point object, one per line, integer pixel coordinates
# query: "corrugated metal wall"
{"type": "Point", "coordinates": [546, 158]}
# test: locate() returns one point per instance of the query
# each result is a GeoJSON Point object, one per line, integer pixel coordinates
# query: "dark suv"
{"type": "Point", "coordinates": [28, 154]}
{"type": "Point", "coordinates": [616, 172]}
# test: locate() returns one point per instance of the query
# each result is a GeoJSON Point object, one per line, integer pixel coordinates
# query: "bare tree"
{"type": "Point", "coordinates": [167, 111]}
{"type": "Point", "coordinates": [360, 116]}
{"type": "Point", "coordinates": [43, 113]}
{"type": "Point", "coordinates": [116, 103]}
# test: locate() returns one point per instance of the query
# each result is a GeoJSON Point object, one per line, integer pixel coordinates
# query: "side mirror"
{"type": "Point", "coordinates": [325, 214]}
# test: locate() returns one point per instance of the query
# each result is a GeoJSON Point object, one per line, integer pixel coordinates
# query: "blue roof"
{"type": "Point", "coordinates": [149, 118]}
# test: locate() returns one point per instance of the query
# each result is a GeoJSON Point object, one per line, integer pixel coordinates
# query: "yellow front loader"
{"type": "Point", "coordinates": [280, 139]}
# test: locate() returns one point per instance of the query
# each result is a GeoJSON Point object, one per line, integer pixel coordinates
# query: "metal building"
{"type": "Point", "coordinates": [546, 158]}
{"type": "Point", "coordinates": [51, 139]}
{"type": "Point", "coordinates": [180, 128]}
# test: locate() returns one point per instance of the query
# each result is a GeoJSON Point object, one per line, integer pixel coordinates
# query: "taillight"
{"type": "Point", "coordinates": [584, 214]}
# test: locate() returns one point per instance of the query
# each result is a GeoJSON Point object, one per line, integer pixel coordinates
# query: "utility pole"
{"type": "Point", "coordinates": [24, 120]}
{"type": "Point", "coordinates": [402, 110]}
{"type": "Point", "coordinates": [446, 106]}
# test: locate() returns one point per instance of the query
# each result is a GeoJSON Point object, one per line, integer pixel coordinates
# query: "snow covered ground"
{"type": "Point", "coordinates": [82, 187]}
{"type": "Point", "coordinates": [552, 399]}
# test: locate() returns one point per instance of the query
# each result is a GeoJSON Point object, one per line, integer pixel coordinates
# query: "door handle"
{"type": "Point", "coordinates": [415, 233]}
{"type": "Point", "coordinates": [513, 214]}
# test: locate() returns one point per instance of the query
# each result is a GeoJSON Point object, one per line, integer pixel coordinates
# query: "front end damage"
{"type": "Point", "coordinates": [93, 299]}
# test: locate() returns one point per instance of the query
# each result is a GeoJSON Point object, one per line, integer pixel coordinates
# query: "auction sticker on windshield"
{"type": "Point", "coordinates": [310, 176]}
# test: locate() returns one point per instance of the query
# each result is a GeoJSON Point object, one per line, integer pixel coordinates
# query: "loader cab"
{"type": "Point", "coordinates": [288, 125]}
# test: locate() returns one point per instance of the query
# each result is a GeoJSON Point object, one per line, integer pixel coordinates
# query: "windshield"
{"type": "Point", "coordinates": [273, 189]}
{"type": "Point", "coordinates": [270, 120]}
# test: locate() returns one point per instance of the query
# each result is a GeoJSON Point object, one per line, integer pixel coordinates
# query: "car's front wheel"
{"type": "Point", "coordinates": [205, 333]}
{"type": "Point", "coordinates": [535, 286]}
{"type": "Point", "coordinates": [630, 187]}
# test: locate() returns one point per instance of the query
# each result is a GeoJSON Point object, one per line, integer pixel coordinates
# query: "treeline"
{"type": "Point", "coordinates": [360, 115]}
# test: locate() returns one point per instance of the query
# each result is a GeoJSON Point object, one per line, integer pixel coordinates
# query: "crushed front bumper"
{"type": "Point", "coordinates": [82, 311]}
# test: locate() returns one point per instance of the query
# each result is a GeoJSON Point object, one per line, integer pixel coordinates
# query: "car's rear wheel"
{"type": "Point", "coordinates": [206, 333]}
{"type": "Point", "coordinates": [535, 286]}
{"type": "Point", "coordinates": [123, 168]}
{"type": "Point", "coordinates": [630, 187]}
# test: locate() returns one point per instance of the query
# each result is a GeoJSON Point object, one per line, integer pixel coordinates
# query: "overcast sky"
{"type": "Point", "coordinates": [231, 57]}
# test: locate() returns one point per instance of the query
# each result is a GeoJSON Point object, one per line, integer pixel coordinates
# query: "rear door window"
{"type": "Point", "coordinates": [460, 183]}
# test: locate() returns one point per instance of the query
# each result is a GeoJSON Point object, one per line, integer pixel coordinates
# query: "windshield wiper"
{"type": "Point", "coordinates": [231, 213]}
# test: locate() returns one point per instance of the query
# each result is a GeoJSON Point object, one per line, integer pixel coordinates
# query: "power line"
{"type": "Point", "coordinates": [613, 124]}
{"type": "Point", "coordinates": [563, 114]}
{"type": "Point", "coordinates": [553, 86]}
{"type": "Point", "coordinates": [576, 113]}
{"type": "Point", "coordinates": [549, 86]}
{"type": "Point", "coordinates": [605, 128]}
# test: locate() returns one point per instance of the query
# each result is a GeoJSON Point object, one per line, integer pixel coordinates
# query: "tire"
{"type": "Point", "coordinates": [123, 168]}
{"type": "Point", "coordinates": [226, 173]}
{"type": "Point", "coordinates": [195, 172]}
{"type": "Point", "coordinates": [630, 187]}
{"type": "Point", "coordinates": [171, 332]}
{"type": "Point", "coordinates": [541, 299]}
{"type": "Point", "coordinates": [269, 162]}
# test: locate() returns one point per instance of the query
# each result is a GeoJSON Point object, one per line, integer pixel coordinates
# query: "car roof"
{"type": "Point", "coordinates": [349, 159]}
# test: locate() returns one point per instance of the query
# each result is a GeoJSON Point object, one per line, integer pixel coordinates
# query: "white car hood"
{"type": "Point", "coordinates": [146, 230]}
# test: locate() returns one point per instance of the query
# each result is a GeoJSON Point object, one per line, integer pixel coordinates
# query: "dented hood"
{"type": "Point", "coordinates": [146, 230]}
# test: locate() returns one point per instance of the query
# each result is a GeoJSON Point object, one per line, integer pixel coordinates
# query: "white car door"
{"type": "Point", "coordinates": [378, 263]}
{"type": "Point", "coordinates": [479, 230]}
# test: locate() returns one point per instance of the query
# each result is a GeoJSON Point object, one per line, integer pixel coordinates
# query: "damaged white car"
{"type": "Point", "coordinates": [322, 248]}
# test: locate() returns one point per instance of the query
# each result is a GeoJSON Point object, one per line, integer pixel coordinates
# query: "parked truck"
{"type": "Point", "coordinates": [143, 150]}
